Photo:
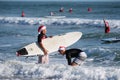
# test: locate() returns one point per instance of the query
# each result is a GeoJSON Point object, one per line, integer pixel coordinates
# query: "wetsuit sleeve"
{"type": "Point", "coordinates": [68, 57]}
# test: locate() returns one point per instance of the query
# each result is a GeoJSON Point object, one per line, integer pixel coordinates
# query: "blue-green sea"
{"type": "Point", "coordinates": [103, 61]}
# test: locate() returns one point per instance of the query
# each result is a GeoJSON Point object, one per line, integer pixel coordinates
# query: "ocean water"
{"type": "Point", "coordinates": [103, 62]}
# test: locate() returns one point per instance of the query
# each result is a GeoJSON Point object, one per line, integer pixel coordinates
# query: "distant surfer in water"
{"type": "Point", "coordinates": [89, 9]}
{"type": "Point", "coordinates": [61, 9]}
{"type": "Point", "coordinates": [23, 14]}
{"type": "Point", "coordinates": [51, 13]}
{"type": "Point", "coordinates": [70, 10]}
{"type": "Point", "coordinates": [78, 55]}
{"type": "Point", "coordinates": [41, 36]}
{"type": "Point", "coordinates": [107, 27]}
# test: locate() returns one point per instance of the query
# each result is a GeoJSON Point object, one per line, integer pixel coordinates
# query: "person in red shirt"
{"type": "Point", "coordinates": [89, 9]}
{"type": "Point", "coordinates": [107, 27]}
{"type": "Point", "coordinates": [70, 10]}
{"type": "Point", "coordinates": [23, 14]}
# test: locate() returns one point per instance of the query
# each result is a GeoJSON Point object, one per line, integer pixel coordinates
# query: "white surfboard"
{"type": "Point", "coordinates": [114, 39]}
{"type": "Point", "coordinates": [51, 44]}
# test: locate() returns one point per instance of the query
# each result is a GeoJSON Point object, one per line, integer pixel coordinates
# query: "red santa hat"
{"type": "Point", "coordinates": [41, 28]}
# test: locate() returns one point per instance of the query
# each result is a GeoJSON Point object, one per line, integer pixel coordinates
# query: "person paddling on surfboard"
{"type": "Point", "coordinates": [78, 55]}
{"type": "Point", "coordinates": [42, 35]}
{"type": "Point", "coordinates": [107, 27]}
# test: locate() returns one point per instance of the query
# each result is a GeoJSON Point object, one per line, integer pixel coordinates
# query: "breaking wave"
{"type": "Point", "coordinates": [57, 21]}
{"type": "Point", "coordinates": [21, 70]}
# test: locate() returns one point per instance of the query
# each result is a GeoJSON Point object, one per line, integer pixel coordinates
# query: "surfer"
{"type": "Point", "coordinates": [89, 9]}
{"type": "Point", "coordinates": [51, 13]}
{"type": "Point", "coordinates": [70, 10]}
{"type": "Point", "coordinates": [42, 35]}
{"type": "Point", "coordinates": [107, 27]}
{"type": "Point", "coordinates": [23, 14]}
{"type": "Point", "coordinates": [61, 9]}
{"type": "Point", "coordinates": [78, 55]}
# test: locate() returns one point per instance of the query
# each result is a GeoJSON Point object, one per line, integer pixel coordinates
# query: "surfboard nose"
{"type": "Point", "coordinates": [17, 54]}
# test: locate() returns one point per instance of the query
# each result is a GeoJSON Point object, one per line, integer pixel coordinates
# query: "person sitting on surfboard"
{"type": "Point", "coordinates": [78, 55]}
{"type": "Point", "coordinates": [41, 36]}
{"type": "Point", "coordinates": [107, 27]}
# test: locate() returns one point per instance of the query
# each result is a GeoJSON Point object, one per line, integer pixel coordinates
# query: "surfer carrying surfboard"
{"type": "Point", "coordinates": [107, 27]}
{"type": "Point", "coordinates": [78, 55]}
{"type": "Point", "coordinates": [42, 35]}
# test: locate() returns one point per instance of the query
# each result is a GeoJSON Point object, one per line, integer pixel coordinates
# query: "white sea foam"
{"type": "Point", "coordinates": [56, 21]}
{"type": "Point", "coordinates": [57, 69]}
{"type": "Point", "coordinates": [17, 69]}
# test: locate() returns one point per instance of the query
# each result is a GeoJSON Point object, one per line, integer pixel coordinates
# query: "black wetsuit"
{"type": "Point", "coordinates": [72, 53]}
{"type": "Point", "coordinates": [40, 37]}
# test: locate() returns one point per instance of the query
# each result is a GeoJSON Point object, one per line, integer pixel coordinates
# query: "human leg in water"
{"type": "Point", "coordinates": [43, 59]}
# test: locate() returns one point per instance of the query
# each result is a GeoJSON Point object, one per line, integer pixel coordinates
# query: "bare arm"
{"type": "Point", "coordinates": [43, 48]}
